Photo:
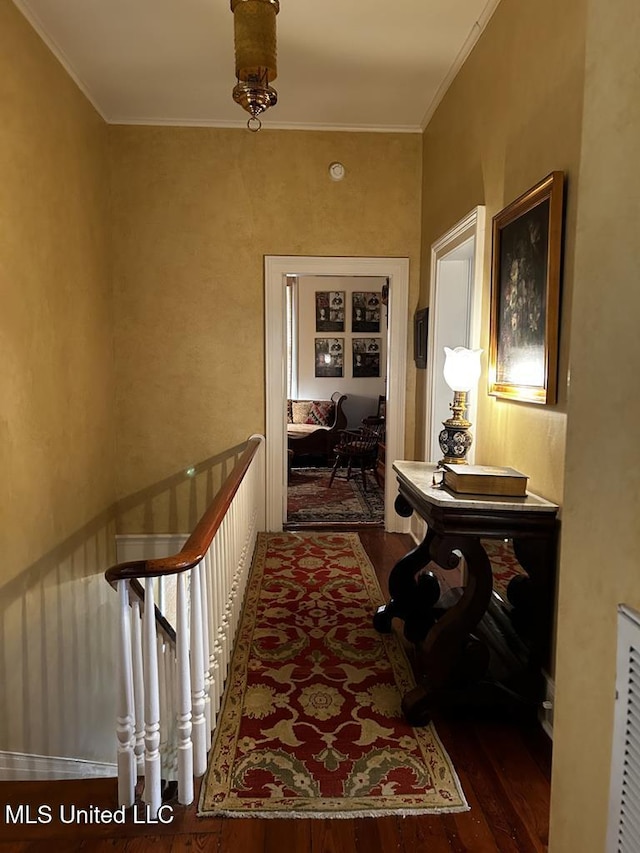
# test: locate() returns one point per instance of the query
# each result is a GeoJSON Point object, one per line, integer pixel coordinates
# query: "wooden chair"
{"type": "Point", "coordinates": [359, 447]}
{"type": "Point", "coordinates": [379, 417]}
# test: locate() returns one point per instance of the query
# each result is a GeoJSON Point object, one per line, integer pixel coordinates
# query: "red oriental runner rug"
{"type": "Point", "coordinates": [311, 724]}
{"type": "Point", "coordinates": [310, 500]}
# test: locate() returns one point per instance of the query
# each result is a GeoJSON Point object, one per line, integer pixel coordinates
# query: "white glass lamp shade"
{"type": "Point", "coordinates": [461, 368]}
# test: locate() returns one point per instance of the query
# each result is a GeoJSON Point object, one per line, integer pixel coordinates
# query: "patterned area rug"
{"type": "Point", "coordinates": [309, 498]}
{"type": "Point", "coordinates": [504, 564]}
{"type": "Point", "coordinates": [311, 724]}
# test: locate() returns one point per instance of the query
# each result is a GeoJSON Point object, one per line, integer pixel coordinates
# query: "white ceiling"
{"type": "Point", "coordinates": [342, 64]}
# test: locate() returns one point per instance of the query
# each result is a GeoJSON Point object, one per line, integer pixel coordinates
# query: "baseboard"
{"type": "Point", "coordinates": [138, 546]}
{"type": "Point", "coordinates": [15, 766]}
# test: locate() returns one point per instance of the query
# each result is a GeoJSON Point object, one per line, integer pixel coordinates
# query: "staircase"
{"type": "Point", "coordinates": [171, 677]}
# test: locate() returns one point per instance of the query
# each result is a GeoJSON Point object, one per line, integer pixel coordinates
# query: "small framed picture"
{"type": "Point", "coordinates": [420, 329]}
{"type": "Point", "coordinates": [330, 310]}
{"type": "Point", "coordinates": [365, 311]}
{"type": "Point", "coordinates": [329, 357]}
{"type": "Point", "coordinates": [366, 357]}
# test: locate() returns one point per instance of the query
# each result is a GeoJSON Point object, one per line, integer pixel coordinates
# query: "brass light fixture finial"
{"type": "Point", "coordinates": [255, 48]}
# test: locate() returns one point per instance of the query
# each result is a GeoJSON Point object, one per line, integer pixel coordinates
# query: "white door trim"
{"type": "Point", "coordinates": [471, 226]}
{"type": "Point", "coordinates": [276, 267]}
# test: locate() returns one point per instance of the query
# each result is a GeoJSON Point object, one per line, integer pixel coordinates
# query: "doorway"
{"type": "Point", "coordinates": [454, 317]}
{"type": "Point", "coordinates": [337, 338]}
{"type": "Point", "coordinates": [277, 268]}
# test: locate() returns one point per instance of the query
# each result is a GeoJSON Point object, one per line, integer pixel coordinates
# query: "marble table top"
{"type": "Point", "coordinates": [419, 475]}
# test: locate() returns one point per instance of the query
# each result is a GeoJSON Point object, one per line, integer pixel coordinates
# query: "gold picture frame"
{"type": "Point", "coordinates": [525, 294]}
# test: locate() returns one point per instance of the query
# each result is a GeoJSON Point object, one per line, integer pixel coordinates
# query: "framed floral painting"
{"type": "Point", "coordinates": [525, 294]}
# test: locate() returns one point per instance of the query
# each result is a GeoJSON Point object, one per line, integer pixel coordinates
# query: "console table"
{"type": "Point", "coordinates": [473, 650]}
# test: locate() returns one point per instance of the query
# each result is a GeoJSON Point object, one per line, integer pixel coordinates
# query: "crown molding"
{"type": "Point", "coordinates": [25, 9]}
{"type": "Point", "coordinates": [476, 31]}
{"type": "Point", "coordinates": [268, 125]}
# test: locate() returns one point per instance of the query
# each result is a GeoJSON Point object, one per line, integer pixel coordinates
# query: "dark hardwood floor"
{"type": "Point", "coordinates": [504, 768]}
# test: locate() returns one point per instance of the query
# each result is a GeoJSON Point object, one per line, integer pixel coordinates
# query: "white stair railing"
{"type": "Point", "coordinates": [170, 681]}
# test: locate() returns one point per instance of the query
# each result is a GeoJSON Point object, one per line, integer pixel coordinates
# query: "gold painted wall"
{"type": "Point", "coordinates": [512, 115]}
{"type": "Point", "coordinates": [56, 421]}
{"type": "Point", "coordinates": [601, 527]}
{"type": "Point", "coordinates": [195, 212]}
{"type": "Point", "coordinates": [56, 410]}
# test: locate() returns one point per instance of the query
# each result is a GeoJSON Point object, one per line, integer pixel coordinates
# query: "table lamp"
{"type": "Point", "coordinates": [461, 373]}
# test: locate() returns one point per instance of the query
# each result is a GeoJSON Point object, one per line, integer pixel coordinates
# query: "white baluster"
{"type": "Point", "coordinates": [251, 526]}
{"type": "Point", "coordinates": [237, 590]}
{"type": "Point", "coordinates": [164, 704]}
{"type": "Point", "coordinates": [218, 611]}
{"type": "Point", "coordinates": [199, 734]}
{"type": "Point", "coordinates": [243, 533]}
{"type": "Point", "coordinates": [233, 566]}
{"type": "Point", "coordinates": [204, 592]}
{"type": "Point", "coordinates": [226, 602]}
{"type": "Point", "coordinates": [233, 569]}
{"type": "Point", "coordinates": [125, 730]}
{"type": "Point", "coordinates": [162, 595]}
{"type": "Point", "coordinates": [138, 681]}
{"type": "Point", "coordinates": [183, 696]}
{"type": "Point", "coordinates": [211, 628]}
{"type": "Point", "coordinates": [229, 574]}
{"type": "Point", "coordinates": [170, 661]}
{"type": "Point", "coordinates": [152, 784]}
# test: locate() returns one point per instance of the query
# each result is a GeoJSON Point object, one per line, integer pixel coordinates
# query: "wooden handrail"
{"type": "Point", "coordinates": [198, 543]}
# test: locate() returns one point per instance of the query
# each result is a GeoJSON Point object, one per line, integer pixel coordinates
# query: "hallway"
{"type": "Point", "coordinates": [504, 769]}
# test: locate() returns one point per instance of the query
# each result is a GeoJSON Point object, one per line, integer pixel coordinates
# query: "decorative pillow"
{"type": "Point", "coordinates": [300, 411]}
{"type": "Point", "coordinates": [320, 413]}
{"type": "Point", "coordinates": [289, 411]}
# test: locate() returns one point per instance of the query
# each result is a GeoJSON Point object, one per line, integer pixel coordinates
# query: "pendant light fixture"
{"type": "Point", "coordinates": [255, 49]}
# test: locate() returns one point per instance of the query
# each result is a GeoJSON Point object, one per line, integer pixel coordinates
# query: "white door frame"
{"type": "Point", "coordinates": [472, 227]}
{"type": "Point", "coordinates": [276, 267]}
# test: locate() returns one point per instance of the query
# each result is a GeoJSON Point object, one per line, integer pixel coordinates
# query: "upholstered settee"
{"type": "Point", "coordinates": [313, 426]}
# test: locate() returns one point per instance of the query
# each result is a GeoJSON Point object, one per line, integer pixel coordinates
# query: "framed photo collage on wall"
{"type": "Point", "coordinates": [365, 351]}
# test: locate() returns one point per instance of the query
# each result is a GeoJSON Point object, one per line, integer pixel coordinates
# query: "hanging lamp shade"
{"type": "Point", "coordinates": [255, 39]}
{"type": "Point", "coordinates": [256, 55]}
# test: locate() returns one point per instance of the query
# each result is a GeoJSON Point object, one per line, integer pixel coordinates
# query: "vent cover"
{"type": "Point", "coordinates": [623, 834]}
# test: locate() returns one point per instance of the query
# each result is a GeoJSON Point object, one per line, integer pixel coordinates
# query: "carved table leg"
{"type": "Point", "coordinates": [412, 594]}
{"type": "Point", "coordinates": [449, 655]}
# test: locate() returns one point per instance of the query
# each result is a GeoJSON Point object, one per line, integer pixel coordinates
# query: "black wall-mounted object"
{"type": "Point", "coordinates": [420, 332]}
